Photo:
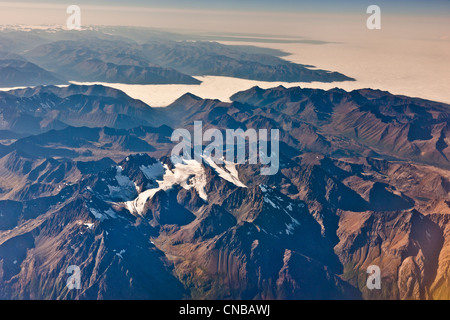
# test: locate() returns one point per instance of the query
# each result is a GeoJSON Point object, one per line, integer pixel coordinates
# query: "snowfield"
{"type": "Point", "coordinates": [187, 174]}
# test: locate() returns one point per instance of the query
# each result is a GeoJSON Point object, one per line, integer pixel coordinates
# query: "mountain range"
{"type": "Point", "coordinates": [86, 180]}
{"type": "Point", "coordinates": [133, 56]}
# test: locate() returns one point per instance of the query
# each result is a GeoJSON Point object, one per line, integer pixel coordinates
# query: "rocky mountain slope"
{"type": "Point", "coordinates": [110, 200]}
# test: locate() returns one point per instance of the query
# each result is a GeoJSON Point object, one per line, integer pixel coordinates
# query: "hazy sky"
{"type": "Point", "coordinates": [346, 6]}
{"type": "Point", "coordinates": [428, 19]}
{"type": "Point", "coordinates": [409, 55]}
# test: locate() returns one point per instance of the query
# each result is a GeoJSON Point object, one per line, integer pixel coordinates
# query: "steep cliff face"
{"type": "Point", "coordinates": [405, 245]}
{"type": "Point", "coordinates": [441, 285]}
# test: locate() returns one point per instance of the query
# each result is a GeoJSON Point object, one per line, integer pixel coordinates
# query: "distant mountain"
{"type": "Point", "coordinates": [335, 122]}
{"type": "Point", "coordinates": [102, 61]}
{"type": "Point", "coordinates": [358, 121]}
{"type": "Point", "coordinates": [211, 58]}
{"type": "Point", "coordinates": [165, 61]}
{"type": "Point", "coordinates": [14, 73]}
{"type": "Point", "coordinates": [44, 108]}
{"type": "Point", "coordinates": [6, 55]}
{"type": "Point", "coordinates": [146, 56]}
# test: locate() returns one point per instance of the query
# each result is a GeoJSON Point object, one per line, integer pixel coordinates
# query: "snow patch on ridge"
{"type": "Point", "coordinates": [187, 173]}
{"type": "Point", "coordinates": [277, 202]}
{"type": "Point", "coordinates": [153, 171]}
{"type": "Point", "coordinates": [103, 215]}
{"type": "Point", "coordinates": [126, 188]}
{"type": "Point", "coordinates": [230, 172]}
